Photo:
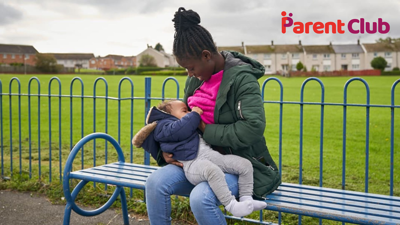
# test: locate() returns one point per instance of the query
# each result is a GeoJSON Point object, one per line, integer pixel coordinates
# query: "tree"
{"type": "Point", "coordinates": [379, 63]}
{"type": "Point", "coordinates": [147, 60]}
{"type": "Point", "coordinates": [47, 63]}
{"type": "Point", "coordinates": [159, 47]}
{"type": "Point", "coordinates": [299, 66]}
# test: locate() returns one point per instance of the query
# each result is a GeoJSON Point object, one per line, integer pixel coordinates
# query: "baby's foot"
{"type": "Point", "coordinates": [240, 209]}
{"type": "Point", "coordinates": [257, 205]}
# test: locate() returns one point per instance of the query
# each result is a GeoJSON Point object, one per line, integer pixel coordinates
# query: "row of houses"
{"type": "Point", "coordinates": [275, 58]}
{"type": "Point", "coordinates": [281, 58]}
{"type": "Point", "coordinates": [25, 54]}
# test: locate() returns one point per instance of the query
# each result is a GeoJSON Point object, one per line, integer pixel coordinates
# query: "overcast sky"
{"type": "Point", "coordinates": [125, 27]}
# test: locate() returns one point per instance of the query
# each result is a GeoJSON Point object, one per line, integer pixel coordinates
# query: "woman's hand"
{"type": "Point", "coordinates": [202, 126]}
{"type": "Point", "coordinates": [168, 158]}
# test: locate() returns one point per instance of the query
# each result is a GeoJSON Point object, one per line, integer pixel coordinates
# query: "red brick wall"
{"type": "Point", "coordinates": [18, 58]}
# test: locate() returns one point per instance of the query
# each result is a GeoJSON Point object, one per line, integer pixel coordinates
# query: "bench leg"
{"type": "Point", "coordinates": [124, 207]}
{"type": "Point", "coordinates": [67, 214]}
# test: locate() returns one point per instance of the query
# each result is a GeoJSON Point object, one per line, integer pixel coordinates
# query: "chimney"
{"type": "Point", "coordinates": [272, 43]}
{"type": "Point", "coordinates": [358, 41]}
{"type": "Point", "coordinates": [300, 42]}
{"type": "Point", "coordinates": [330, 43]}
{"type": "Point", "coordinates": [242, 44]}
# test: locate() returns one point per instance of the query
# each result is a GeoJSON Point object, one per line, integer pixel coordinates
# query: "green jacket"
{"type": "Point", "coordinates": [240, 119]}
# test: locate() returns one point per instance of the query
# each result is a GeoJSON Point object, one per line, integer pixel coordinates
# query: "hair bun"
{"type": "Point", "coordinates": [185, 19]}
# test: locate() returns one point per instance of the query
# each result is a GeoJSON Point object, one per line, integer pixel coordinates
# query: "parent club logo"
{"type": "Point", "coordinates": [354, 26]}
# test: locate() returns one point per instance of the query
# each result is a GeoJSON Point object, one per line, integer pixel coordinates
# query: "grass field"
{"type": "Point", "coordinates": [379, 123]}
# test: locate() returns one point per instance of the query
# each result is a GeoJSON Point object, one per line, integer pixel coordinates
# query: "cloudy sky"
{"type": "Point", "coordinates": [125, 27]}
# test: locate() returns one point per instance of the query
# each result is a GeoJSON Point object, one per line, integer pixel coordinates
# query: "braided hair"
{"type": "Point", "coordinates": [190, 38]}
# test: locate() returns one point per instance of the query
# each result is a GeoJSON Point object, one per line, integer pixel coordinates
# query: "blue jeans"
{"type": "Point", "coordinates": [170, 180]}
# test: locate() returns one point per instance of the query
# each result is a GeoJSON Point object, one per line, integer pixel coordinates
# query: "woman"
{"type": "Point", "coordinates": [234, 111]}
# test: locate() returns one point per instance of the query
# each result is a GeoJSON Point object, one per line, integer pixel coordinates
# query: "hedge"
{"type": "Point", "coordinates": [165, 72]}
{"type": "Point", "coordinates": [390, 73]}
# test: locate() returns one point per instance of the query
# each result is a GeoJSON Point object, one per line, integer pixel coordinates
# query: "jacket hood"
{"type": "Point", "coordinates": [233, 59]}
{"type": "Point", "coordinates": [145, 136]}
{"type": "Point", "coordinates": [157, 114]}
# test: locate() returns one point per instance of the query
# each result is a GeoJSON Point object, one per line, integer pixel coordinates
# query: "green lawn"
{"type": "Point", "coordinates": [379, 144]}
{"type": "Point", "coordinates": [379, 135]}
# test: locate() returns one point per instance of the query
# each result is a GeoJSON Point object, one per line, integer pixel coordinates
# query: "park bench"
{"type": "Point", "coordinates": [318, 202]}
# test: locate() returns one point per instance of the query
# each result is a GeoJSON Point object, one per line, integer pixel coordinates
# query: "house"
{"type": "Point", "coordinates": [287, 56]}
{"type": "Point", "coordinates": [73, 60]}
{"type": "Point", "coordinates": [264, 54]}
{"type": "Point", "coordinates": [320, 57]}
{"type": "Point", "coordinates": [24, 54]}
{"type": "Point", "coordinates": [389, 51]}
{"type": "Point", "coordinates": [274, 57]}
{"type": "Point", "coordinates": [112, 61]}
{"type": "Point", "coordinates": [162, 59]}
{"type": "Point", "coordinates": [240, 49]}
{"type": "Point", "coordinates": [349, 57]}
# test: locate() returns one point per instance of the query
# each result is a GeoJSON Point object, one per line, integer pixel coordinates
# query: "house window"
{"type": "Point", "coordinates": [327, 56]}
{"type": "Point", "coordinates": [388, 54]}
{"type": "Point", "coordinates": [26, 56]}
{"type": "Point", "coordinates": [375, 54]}
{"type": "Point", "coordinates": [267, 56]}
{"type": "Point", "coordinates": [283, 56]}
{"type": "Point", "coordinates": [343, 56]}
{"type": "Point", "coordinates": [355, 66]}
{"type": "Point", "coordinates": [315, 68]}
{"type": "Point", "coordinates": [327, 68]}
{"type": "Point", "coordinates": [4, 56]}
{"type": "Point", "coordinates": [355, 56]}
{"type": "Point", "coordinates": [267, 67]}
{"type": "Point", "coordinates": [388, 66]}
{"type": "Point", "coordinates": [13, 56]}
{"type": "Point", "coordinates": [314, 56]}
{"type": "Point", "coordinates": [93, 61]}
{"type": "Point", "coordinates": [295, 55]}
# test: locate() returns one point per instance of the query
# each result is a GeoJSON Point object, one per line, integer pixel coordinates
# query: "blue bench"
{"type": "Point", "coordinates": [324, 203]}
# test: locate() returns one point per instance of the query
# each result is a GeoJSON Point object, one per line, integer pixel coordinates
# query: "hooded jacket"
{"type": "Point", "coordinates": [177, 136]}
{"type": "Point", "coordinates": [239, 120]}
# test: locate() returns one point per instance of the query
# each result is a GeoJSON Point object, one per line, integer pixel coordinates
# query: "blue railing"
{"type": "Point", "coordinates": [7, 169]}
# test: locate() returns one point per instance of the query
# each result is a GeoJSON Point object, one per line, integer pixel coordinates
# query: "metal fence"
{"type": "Point", "coordinates": [16, 134]}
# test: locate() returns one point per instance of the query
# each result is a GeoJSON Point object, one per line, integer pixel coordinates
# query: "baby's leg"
{"type": "Point", "coordinates": [203, 170]}
{"type": "Point", "coordinates": [234, 164]}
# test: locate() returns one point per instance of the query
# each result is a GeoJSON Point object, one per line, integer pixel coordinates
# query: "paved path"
{"type": "Point", "coordinates": [21, 208]}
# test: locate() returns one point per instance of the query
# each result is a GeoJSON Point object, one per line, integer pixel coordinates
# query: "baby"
{"type": "Point", "coordinates": [176, 132]}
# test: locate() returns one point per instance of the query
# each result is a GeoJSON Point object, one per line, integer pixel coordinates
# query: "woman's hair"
{"type": "Point", "coordinates": [190, 38]}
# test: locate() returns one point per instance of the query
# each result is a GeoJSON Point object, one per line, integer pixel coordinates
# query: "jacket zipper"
{"type": "Point", "coordinates": [258, 159]}
{"type": "Point", "coordinates": [240, 109]}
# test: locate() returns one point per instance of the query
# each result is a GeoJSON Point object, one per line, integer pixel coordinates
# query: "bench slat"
{"type": "Point", "coordinates": [393, 199]}
{"type": "Point", "coordinates": [139, 184]}
{"type": "Point", "coordinates": [331, 206]}
{"type": "Point", "coordinates": [323, 213]}
{"type": "Point", "coordinates": [349, 195]}
{"type": "Point", "coordinates": [278, 194]}
{"type": "Point", "coordinates": [117, 172]}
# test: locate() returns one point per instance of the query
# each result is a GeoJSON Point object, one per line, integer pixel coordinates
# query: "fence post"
{"type": "Point", "coordinates": [147, 102]}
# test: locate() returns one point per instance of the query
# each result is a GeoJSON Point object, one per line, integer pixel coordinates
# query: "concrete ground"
{"type": "Point", "coordinates": [23, 208]}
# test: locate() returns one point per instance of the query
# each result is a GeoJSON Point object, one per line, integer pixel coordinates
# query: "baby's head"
{"type": "Point", "coordinates": [174, 107]}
